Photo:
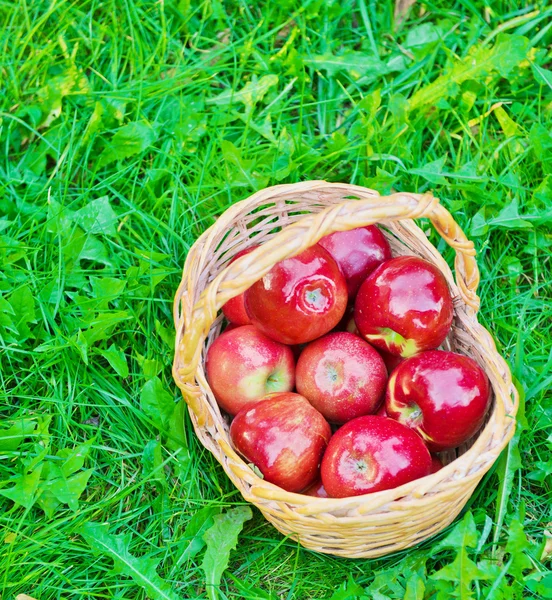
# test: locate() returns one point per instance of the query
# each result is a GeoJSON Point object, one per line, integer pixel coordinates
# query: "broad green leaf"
{"type": "Point", "coordinates": [513, 267]}
{"type": "Point", "coordinates": [117, 359]}
{"type": "Point", "coordinates": [81, 345]}
{"type": "Point", "coordinates": [462, 573]}
{"type": "Point", "coordinates": [141, 570]}
{"type": "Point", "coordinates": [415, 588]}
{"type": "Point", "coordinates": [517, 545]}
{"type": "Point", "coordinates": [421, 35]}
{"type": "Point", "coordinates": [151, 367]}
{"type": "Point", "coordinates": [43, 434]}
{"type": "Point", "coordinates": [185, 118]}
{"type": "Point", "coordinates": [95, 123]}
{"type": "Point", "coordinates": [25, 488]}
{"type": "Point", "coordinates": [537, 243]}
{"type": "Point", "coordinates": [479, 224]}
{"type": "Point", "coordinates": [79, 246]}
{"type": "Point", "coordinates": [432, 171]}
{"type": "Point", "coordinates": [129, 140]}
{"type": "Point", "coordinates": [157, 403]}
{"type": "Point", "coordinates": [12, 437]}
{"type": "Point", "coordinates": [74, 458]}
{"type": "Point", "coordinates": [542, 75]}
{"type": "Point", "coordinates": [357, 64]}
{"type": "Point", "coordinates": [152, 459]}
{"type": "Point", "coordinates": [192, 540]}
{"type": "Point", "coordinates": [107, 289]}
{"type": "Point", "coordinates": [47, 500]}
{"type": "Point", "coordinates": [383, 181]}
{"type": "Point", "coordinates": [51, 95]}
{"type": "Point", "coordinates": [59, 217]}
{"type": "Point", "coordinates": [101, 326]}
{"type": "Point", "coordinates": [541, 199]}
{"type": "Point", "coordinates": [22, 302]}
{"type": "Point", "coordinates": [94, 250]}
{"type": "Point", "coordinates": [108, 113]}
{"type": "Point", "coordinates": [541, 141]}
{"type": "Point", "coordinates": [58, 482]}
{"type": "Point", "coordinates": [97, 217]}
{"type": "Point", "coordinates": [165, 333]}
{"type": "Point", "coordinates": [251, 93]}
{"type": "Point", "coordinates": [176, 438]}
{"type": "Point", "coordinates": [542, 470]}
{"type": "Point", "coordinates": [506, 54]}
{"type": "Point", "coordinates": [540, 584]}
{"type": "Point", "coordinates": [509, 127]}
{"type": "Point", "coordinates": [244, 171]}
{"type": "Point", "coordinates": [348, 590]}
{"type": "Point", "coordinates": [57, 489]}
{"type": "Point", "coordinates": [423, 38]}
{"type": "Point", "coordinates": [221, 538]}
{"type": "Point", "coordinates": [463, 535]}
{"type": "Point", "coordinates": [509, 218]}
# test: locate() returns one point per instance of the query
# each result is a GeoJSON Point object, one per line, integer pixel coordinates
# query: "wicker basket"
{"type": "Point", "coordinates": [362, 526]}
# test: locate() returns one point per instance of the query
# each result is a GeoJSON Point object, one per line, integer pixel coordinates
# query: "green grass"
{"type": "Point", "coordinates": [125, 129]}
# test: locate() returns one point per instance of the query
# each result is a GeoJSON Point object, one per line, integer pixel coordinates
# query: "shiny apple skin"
{"type": "Point", "coordinates": [316, 490]}
{"type": "Point", "coordinates": [299, 299]}
{"type": "Point", "coordinates": [234, 309]}
{"type": "Point", "coordinates": [404, 306]}
{"type": "Point", "coordinates": [357, 252]}
{"type": "Point", "coordinates": [342, 376]}
{"type": "Point", "coordinates": [285, 437]}
{"type": "Point", "coordinates": [243, 365]}
{"type": "Point", "coordinates": [443, 396]}
{"type": "Point", "coordinates": [370, 454]}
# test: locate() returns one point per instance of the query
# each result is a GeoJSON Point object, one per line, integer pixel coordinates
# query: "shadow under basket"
{"type": "Point", "coordinates": [285, 220]}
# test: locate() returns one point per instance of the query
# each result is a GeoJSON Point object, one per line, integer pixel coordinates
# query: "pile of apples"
{"type": "Point", "coordinates": [330, 372]}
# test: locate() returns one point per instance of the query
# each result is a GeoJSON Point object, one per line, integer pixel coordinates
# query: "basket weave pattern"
{"type": "Point", "coordinates": [362, 526]}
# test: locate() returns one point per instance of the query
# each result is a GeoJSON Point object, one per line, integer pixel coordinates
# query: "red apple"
{"type": "Point", "coordinates": [357, 252]}
{"type": "Point", "coordinates": [299, 299]}
{"type": "Point", "coordinates": [443, 396]}
{"type": "Point", "coordinates": [342, 376]}
{"type": "Point", "coordinates": [316, 489]}
{"type": "Point", "coordinates": [371, 453]}
{"type": "Point", "coordinates": [285, 437]}
{"type": "Point", "coordinates": [404, 306]}
{"type": "Point", "coordinates": [243, 365]}
{"type": "Point", "coordinates": [234, 309]}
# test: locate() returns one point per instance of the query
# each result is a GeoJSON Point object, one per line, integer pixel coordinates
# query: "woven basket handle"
{"type": "Point", "coordinates": [193, 325]}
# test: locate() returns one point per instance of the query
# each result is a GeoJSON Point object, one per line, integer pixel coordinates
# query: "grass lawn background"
{"type": "Point", "coordinates": [125, 129]}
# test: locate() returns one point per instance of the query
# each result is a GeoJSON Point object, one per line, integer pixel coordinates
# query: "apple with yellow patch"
{"type": "Point", "coordinates": [243, 365]}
